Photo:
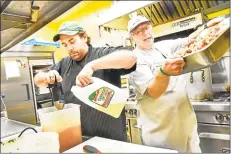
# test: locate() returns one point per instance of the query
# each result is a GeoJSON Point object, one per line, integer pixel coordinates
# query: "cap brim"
{"type": "Point", "coordinates": [138, 25]}
{"type": "Point", "coordinates": [57, 36]}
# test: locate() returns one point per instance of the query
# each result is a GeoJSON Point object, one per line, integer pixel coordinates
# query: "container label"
{"type": "Point", "coordinates": [102, 96]}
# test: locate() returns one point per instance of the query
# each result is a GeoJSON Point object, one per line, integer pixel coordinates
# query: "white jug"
{"type": "Point", "coordinates": [102, 96]}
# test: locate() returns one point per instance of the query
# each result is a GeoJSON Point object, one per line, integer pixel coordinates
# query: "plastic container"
{"type": "Point", "coordinates": [102, 96]}
{"type": "Point", "coordinates": [65, 122]}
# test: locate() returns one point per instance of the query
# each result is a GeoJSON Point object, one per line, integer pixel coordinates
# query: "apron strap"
{"type": "Point", "coordinates": [163, 54]}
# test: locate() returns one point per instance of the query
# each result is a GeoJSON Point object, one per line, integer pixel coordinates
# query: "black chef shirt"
{"type": "Point", "coordinates": [94, 122]}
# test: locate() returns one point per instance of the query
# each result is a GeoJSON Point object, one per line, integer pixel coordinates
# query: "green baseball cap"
{"type": "Point", "coordinates": [69, 28]}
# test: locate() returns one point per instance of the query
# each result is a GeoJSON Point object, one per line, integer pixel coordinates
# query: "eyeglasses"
{"type": "Point", "coordinates": [141, 30]}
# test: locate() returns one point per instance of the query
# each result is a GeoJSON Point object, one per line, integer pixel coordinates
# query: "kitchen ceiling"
{"type": "Point", "coordinates": [20, 19]}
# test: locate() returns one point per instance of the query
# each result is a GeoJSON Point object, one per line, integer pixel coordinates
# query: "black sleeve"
{"type": "Point", "coordinates": [127, 71]}
{"type": "Point", "coordinates": [108, 50]}
{"type": "Point", "coordinates": [56, 67]}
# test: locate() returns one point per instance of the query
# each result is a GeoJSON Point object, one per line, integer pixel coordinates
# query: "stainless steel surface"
{"type": "Point", "coordinates": [33, 91]}
{"type": "Point", "coordinates": [166, 10]}
{"type": "Point", "coordinates": [128, 131]}
{"type": "Point", "coordinates": [211, 106]}
{"type": "Point", "coordinates": [133, 129]}
{"type": "Point", "coordinates": [49, 10]}
{"type": "Point", "coordinates": [18, 98]}
{"type": "Point", "coordinates": [41, 95]}
{"type": "Point", "coordinates": [214, 138]}
{"type": "Point", "coordinates": [4, 4]}
{"type": "Point", "coordinates": [208, 56]}
{"type": "Point", "coordinates": [213, 117]}
{"type": "Point", "coordinates": [199, 85]}
{"type": "Point", "coordinates": [135, 132]}
{"type": "Point", "coordinates": [131, 109]}
{"type": "Point", "coordinates": [21, 99]}
{"type": "Point", "coordinates": [214, 123]}
{"type": "Point", "coordinates": [10, 127]}
{"type": "Point", "coordinates": [221, 74]}
{"type": "Point", "coordinates": [30, 51]}
{"type": "Point", "coordinates": [211, 128]}
{"type": "Point", "coordinates": [131, 105]}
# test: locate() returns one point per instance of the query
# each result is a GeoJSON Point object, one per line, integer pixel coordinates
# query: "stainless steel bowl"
{"type": "Point", "coordinates": [208, 56]}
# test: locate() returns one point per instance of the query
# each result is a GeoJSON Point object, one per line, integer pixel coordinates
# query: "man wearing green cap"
{"type": "Point", "coordinates": [84, 61]}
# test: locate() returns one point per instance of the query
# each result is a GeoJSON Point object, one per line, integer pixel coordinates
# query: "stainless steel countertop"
{"type": "Point", "coordinates": [11, 127]}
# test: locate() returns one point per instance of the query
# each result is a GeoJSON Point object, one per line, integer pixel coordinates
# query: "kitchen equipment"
{"type": "Point", "coordinates": [214, 124]}
{"type": "Point", "coordinates": [114, 146]}
{"type": "Point", "coordinates": [22, 97]}
{"type": "Point", "coordinates": [18, 90]}
{"type": "Point", "coordinates": [209, 55]}
{"type": "Point", "coordinates": [11, 128]}
{"type": "Point", "coordinates": [214, 116]}
{"type": "Point", "coordinates": [102, 96]}
{"type": "Point", "coordinates": [42, 95]}
{"type": "Point", "coordinates": [133, 128]}
{"type": "Point", "coordinates": [221, 74]}
{"type": "Point", "coordinates": [90, 149]}
{"type": "Point", "coordinates": [65, 122]}
{"type": "Point", "coordinates": [199, 85]}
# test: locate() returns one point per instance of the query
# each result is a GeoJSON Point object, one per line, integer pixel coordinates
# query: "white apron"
{"type": "Point", "coordinates": [169, 121]}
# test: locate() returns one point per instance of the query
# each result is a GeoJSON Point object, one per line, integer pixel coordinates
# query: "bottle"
{"type": "Point", "coordinates": [102, 96]}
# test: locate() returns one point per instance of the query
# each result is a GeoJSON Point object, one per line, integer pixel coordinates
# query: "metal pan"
{"type": "Point", "coordinates": [208, 56]}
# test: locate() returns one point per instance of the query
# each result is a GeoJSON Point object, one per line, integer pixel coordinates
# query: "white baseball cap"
{"type": "Point", "coordinates": [135, 21]}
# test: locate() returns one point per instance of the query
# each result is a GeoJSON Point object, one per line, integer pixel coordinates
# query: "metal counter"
{"type": "Point", "coordinates": [211, 106]}
{"type": "Point", "coordinates": [11, 127]}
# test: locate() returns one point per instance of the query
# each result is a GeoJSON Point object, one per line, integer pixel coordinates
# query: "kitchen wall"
{"type": "Point", "coordinates": [85, 12]}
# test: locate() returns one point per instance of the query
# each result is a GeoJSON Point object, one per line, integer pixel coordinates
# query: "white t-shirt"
{"type": "Point", "coordinates": [168, 121]}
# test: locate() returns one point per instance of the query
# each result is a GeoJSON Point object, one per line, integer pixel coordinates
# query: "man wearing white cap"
{"type": "Point", "coordinates": [167, 120]}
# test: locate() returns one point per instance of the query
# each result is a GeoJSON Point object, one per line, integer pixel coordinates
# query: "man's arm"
{"type": "Point", "coordinates": [153, 84]}
{"type": "Point", "coordinates": [146, 83]}
{"type": "Point", "coordinates": [116, 60]}
{"type": "Point", "coordinates": [159, 84]}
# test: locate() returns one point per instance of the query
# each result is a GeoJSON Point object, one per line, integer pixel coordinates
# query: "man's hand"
{"type": "Point", "coordinates": [84, 78]}
{"type": "Point", "coordinates": [42, 79]}
{"type": "Point", "coordinates": [214, 21]}
{"type": "Point", "coordinates": [173, 66]}
{"type": "Point", "coordinates": [50, 76]}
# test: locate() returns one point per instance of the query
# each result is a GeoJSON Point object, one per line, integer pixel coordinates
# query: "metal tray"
{"type": "Point", "coordinates": [208, 56]}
